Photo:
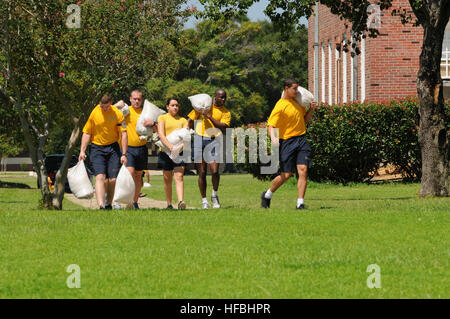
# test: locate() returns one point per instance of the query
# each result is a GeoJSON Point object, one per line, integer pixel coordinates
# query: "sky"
{"type": "Point", "coordinates": [255, 13]}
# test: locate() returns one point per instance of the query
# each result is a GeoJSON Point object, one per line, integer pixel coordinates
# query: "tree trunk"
{"type": "Point", "coordinates": [433, 136]}
{"type": "Point", "coordinates": [37, 155]}
{"type": "Point", "coordinates": [61, 175]}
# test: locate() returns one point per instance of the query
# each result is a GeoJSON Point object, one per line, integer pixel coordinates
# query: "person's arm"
{"type": "Point", "coordinates": [275, 140]}
{"type": "Point", "coordinates": [311, 110]}
{"type": "Point", "coordinates": [149, 123]}
{"type": "Point", "coordinates": [220, 125]}
{"type": "Point", "coordinates": [190, 124]}
{"type": "Point", "coordinates": [192, 117]}
{"type": "Point", "coordinates": [162, 135]}
{"type": "Point", "coordinates": [120, 104]}
{"type": "Point", "coordinates": [85, 139]}
{"type": "Point", "coordinates": [123, 158]}
{"type": "Point", "coordinates": [273, 122]}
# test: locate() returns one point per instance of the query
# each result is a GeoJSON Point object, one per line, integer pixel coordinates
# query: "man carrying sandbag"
{"type": "Point", "coordinates": [216, 120]}
{"type": "Point", "coordinates": [290, 118]}
{"type": "Point", "coordinates": [137, 155]}
{"type": "Point", "coordinates": [103, 129]}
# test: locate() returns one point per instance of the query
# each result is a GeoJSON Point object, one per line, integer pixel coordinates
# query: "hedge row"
{"type": "Point", "coordinates": [351, 142]}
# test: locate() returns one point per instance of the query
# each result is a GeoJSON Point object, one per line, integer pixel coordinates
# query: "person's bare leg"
{"type": "Point", "coordinates": [106, 190]}
{"type": "Point", "coordinates": [168, 186]}
{"type": "Point", "coordinates": [138, 185]}
{"type": "Point", "coordinates": [111, 187]}
{"type": "Point", "coordinates": [279, 180]}
{"type": "Point", "coordinates": [302, 180]}
{"type": "Point", "coordinates": [202, 169]}
{"type": "Point", "coordinates": [215, 176]}
{"type": "Point", "coordinates": [179, 185]}
{"type": "Point", "coordinates": [100, 189]}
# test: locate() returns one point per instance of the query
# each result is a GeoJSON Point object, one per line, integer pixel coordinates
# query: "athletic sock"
{"type": "Point", "coordinates": [214, 193]}
{"type": "Point", "coordinates": [300, 201]}
{"type": "Point", "coordinates": [268, 194]}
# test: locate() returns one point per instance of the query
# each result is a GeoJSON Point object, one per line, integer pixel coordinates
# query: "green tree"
{"type": "Point", "coordinates": [11, 136]}
{"type": "Point", "coordinates": [432, 16]}
{"type": "Point", "coordinates": [247, 58]}
{"type": "Point", "coordinates": [54, 66]}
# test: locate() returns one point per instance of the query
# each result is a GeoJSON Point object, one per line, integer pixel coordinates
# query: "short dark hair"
{"type": "Point", "coordinates": [220, 91]}
{"type": "Point", "coordinates": [170, 99]}
{"type": "Point", "coordinates": [106, 98]}
{"type": "Point", "coordinates": [289, 81]}
{"type": "Point", "coordinates": [137, 90]}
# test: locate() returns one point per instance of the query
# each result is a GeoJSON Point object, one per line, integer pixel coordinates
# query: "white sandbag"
{"type": "Point", "coordinates": [201, 102]}
{"type": "Point", "coordinates": [79, 182]}
{"type": "Point", "coordinates": [124, 190]}
{"type": "Point", "coordinates": [123, 107]}
{"type": "Point", "coordinates": [175, 138]}
{"type": "Point", "coordinates": [125, 110]}
{"type": "Point", "coordinates": [304, 97]}
{"type": "Point", "coordinates": [152, 112]}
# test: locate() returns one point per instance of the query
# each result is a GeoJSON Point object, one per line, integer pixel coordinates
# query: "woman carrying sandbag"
{"type": "Point", "coordinates": [167, 124]}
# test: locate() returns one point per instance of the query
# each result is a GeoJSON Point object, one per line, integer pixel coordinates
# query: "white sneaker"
{"type": "Point", "coordinates": [147, 185]}
{"type": "Point", "coordinates": [215, 201]}
{"type": "Point", "coordinates": [116, 206]}
{"type": "Point", "coordinates": [206, 205]}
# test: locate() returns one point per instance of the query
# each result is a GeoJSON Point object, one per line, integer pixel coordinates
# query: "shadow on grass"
{"type": "Point", "coordinates": [362, 199]}
{"type": "Point", "coordinates": [13, 202]}
{"type": "Point", "coordinates": [14, 185]}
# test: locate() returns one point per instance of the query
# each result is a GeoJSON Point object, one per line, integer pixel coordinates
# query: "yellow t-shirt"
{"type": "Point", "coordinates": [220, 114]}
{"type": "Point", "coordinates": [289, 117]}
{"type": "Point", "coordinates": [105, 127]}
{"type": "Point", "coordinates": [172, 123]}
{"type": "Point", "coordinates": [131, 121]}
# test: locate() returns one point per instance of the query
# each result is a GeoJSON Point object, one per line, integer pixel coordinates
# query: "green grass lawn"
{"type": "Point", "coordinates": [240, 251]}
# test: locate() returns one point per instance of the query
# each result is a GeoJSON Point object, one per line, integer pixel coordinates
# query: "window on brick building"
{"type": "Point", "coordinates": [330, 73]}
{"type": "Point", "coordinates": [344, 70]}
{"type": "Point", "coordinates": [323, 73]}
{"type": "Point", "coordinates": [363, 70]}
{"type": "Point", "coordinates": [354, 72]}
{"type": "Point", "coordinates": [337, 80]}
{"type": "Point", "coordinates": [445, 67]}
{"type": "Point", "coordinates": [445, 62]}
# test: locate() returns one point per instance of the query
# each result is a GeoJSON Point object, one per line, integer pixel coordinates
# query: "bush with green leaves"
{"type": "Point", "coordinates": [351, 142]}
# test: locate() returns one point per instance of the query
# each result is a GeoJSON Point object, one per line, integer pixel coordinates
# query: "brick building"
{"type": "Point", "coordinates": [377, 69]}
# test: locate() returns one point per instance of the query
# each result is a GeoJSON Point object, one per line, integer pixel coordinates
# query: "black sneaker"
{"type": "Point", "coordinates": [135, 205]}
{"type": "Point", "coordinates": [302, 206]}
{"type": "Point", "coordinates": [169, 207]}
{"type": "Point", "coordinates": [108, 207]}
{"type": "Point", "coordinates": [101, 207]}
{"type": "Point", "coordinates": [265, 203]}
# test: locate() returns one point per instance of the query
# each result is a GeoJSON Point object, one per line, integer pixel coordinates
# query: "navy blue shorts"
{"type": "Point", "coordinates": [137, 157]}
{"type": "Point", "coordinates": [166, 164]}
{"type": "Point", "coordinates": [294, 151]}
{"type": "Point", "coordinates": [105, 159]}
{"type": "Point", "coordinates": [212, 152]}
